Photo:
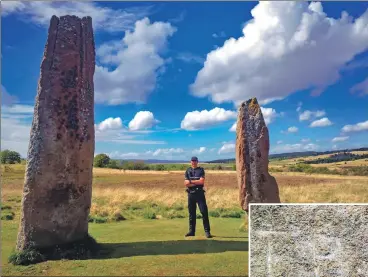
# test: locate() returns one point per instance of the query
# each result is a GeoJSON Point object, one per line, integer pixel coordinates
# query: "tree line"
{"type": "Point", "coordinates": [349, 171]}
{"type": "Point", "coordinates": [10, 157]}
{"type": "Point", "coordinates": [104, 161]}
{"type": "Point", "coordinates": [339, 157]}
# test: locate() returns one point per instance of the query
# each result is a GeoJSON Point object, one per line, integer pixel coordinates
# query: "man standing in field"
{"type": "Point", "coordinates": [194, 181]}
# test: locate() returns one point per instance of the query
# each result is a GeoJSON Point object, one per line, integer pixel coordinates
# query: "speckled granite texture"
{"type": "Point", "coordinates": [58, 181]}
{"type": "Point", "coordinates": [252, 147]}
{"type": "Point", "coordinates": [308, 240]}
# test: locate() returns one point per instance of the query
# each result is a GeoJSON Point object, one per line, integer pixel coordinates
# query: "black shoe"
{"type": "Point", "coordinates": [208, 235]}
{"type": "Point", "coordinates": [190, 234]}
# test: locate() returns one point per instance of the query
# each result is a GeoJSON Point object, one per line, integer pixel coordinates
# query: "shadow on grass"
{"type": "Point", "coordinates": [229, 237]}
{"type": "Point", "coordinates": [119, 250]}
{"type": "Point", "coordinates": [88, 248]}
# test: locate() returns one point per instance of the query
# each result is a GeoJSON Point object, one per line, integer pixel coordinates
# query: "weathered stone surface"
{"type": "Point", "coordinates": [58, 180]}
{"type": "Point", "coordinates": [252, 147]}
{"type": "Point", "coordinates": [308, 240]}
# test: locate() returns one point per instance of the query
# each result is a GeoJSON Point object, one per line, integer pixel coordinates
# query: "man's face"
{"type": "Point", "coordinates": [194, 163]}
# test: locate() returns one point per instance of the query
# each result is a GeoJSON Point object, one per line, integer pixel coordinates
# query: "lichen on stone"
{"type": "Point", "coordinates": [69, 79]}
{"type": "Point", "coordinates": [252, 150]}
{"type": "Point", "coordinates": [54, 160]}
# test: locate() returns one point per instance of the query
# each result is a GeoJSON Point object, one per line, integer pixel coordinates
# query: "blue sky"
{"type": "Point", "coordinates": [170, 76]}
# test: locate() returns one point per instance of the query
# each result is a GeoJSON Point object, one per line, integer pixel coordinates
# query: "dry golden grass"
{"type": "Point", "coordinates": [337, 165]}
{"type": "Point", "coordinates": [118, 197]}
{"type": "Point", "coordinates": [222, 191]}
{"type": "Point", "coordinates": [336, 192]}
{"type": "Point", "coordinates": [113, 190]}
{"type": "Point", "coordinates": [360, 152]}
{"type": "Point", "coordinates": [313, 157]}
{"type": "Point", "coordinates": [319, 177]}
{"type": "Point", "coordinates": [110, 171]}
{"type": "Point", "coordinates": [212, 171]}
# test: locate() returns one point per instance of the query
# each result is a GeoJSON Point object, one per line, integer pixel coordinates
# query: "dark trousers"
{"type": "Point", "coordinates": [193, 199]}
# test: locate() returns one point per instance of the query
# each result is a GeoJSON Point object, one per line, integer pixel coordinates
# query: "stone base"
{"type": "Point", "coordinates": [85, 248]}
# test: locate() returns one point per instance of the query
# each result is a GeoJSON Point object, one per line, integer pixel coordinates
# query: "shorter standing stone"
{"type": "Point", "coordinates": [256, 185]}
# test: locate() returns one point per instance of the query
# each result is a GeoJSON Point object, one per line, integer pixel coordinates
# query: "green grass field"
{"type": "Point", "coordinates": [146, 247]}
{"type": "Point", "coordinates": [149, 239]}
{"type": "Point", "coordinates": [137, 246]}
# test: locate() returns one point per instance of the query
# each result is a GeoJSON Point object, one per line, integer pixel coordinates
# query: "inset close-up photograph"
{"type": "Point", "coordinates": [308, 240]}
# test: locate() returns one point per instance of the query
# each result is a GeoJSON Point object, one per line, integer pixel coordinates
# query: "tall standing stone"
{"type": "Point", "coordinates": [58, 180]}
{"type": "Point", "coordinates": [256, 185]}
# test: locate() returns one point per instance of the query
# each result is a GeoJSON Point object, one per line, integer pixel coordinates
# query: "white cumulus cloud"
{"type": "Point", "coordinates": [227, 148]}
{"type": "Point", "coordinates": [6, 98]}
{"type": "Point", "coordinates": [296, 147]}
{"type": "Point", "coordinates": [286, 47]}
{"type": "Point", "coordinates": [118, 155]}
{"type": "Point", "coordinates": [17, 110]}
{"type": "Point", "coordinates": [138, 62]}
{"type": "Point", "coordinates": [306, 115]}
{"type": "Point", "coordinates": [166, 151]}
{"type": "Point", "coordinates": [162, 153]}
{"type": "Point", "coordinates": [112, 130]}
{"type": "Point", "coordinates": [310, 147]}
{"type": "Point", "coordinates": [233, 128]}
{"type": "Point", "coordinates": [16, 121]}
{"type": "Point", "coordinates": [9, 7]}
{"type": "Point", "coordinates": [221, 34]}
{"type": "Point", "coordinates": [292, 129]}
{"type": "Point", "coordinates": [200, 150]}
{"type": "Point", "coordinates": [269, 114]}
{"type": "Point", "coordinates": [110, 123]}
{"type": "Point", "coordinates": [360, 88]}
{"type": "Point", "coordinates": [190, 58]}
{"type": "Point", "coordinates": [323, 122]}
{"type": "Point", "coordinates": [142, 120]}
{"type": "Point", "coordinates": [200, 119]}
{"type": "Point", "coordinates": [300, 104]}
{"type": "Point", "coordinates": [104, 18]}
{"type": "Point", "coordinates": [340, 139]}
{"type": "Point", "coordinates": [15, 135]}
{"type": "Point", "coordinates": [361, 126]}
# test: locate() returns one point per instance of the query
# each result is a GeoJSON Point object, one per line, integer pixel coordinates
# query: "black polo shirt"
{"type": "Point", "coordinates": [194, 174]}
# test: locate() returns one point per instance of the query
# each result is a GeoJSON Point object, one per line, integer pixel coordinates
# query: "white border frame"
{"type": "Point", "coordinates": [288, 204]}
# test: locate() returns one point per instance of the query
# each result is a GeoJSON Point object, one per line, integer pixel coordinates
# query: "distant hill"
{"type": "Point", "coordinates": [275, 156]}
{"type": "Point", "coordinates": [221, 161]}
{"type": "Point", "coordinates": [295, 155]}
{"type": "Point", "coordinates": [272, 156]}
